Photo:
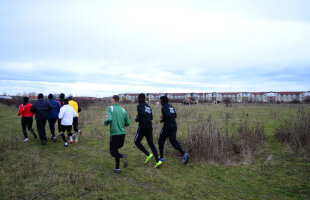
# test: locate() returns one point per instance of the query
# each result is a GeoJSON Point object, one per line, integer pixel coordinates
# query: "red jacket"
{"type": "Point", "coordinates": [24, 110]}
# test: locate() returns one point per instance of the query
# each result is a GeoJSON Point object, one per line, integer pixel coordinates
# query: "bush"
{"type": "Point", "coordinates": [207, 141]}
{"type": "Point", "coordinates": [296, 132]}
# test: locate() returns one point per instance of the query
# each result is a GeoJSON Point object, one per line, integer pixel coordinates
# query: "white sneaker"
{"type": "Point", "coordinates": [26, 140]}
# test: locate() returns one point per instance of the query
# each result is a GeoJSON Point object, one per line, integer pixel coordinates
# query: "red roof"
{"type": "Point", "coordinates": [229, 93]}
{"type": "Point", "coordinates": [289, 92]}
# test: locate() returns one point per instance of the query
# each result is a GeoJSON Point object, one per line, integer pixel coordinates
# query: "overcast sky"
{"type": "Point", "coordinates": [100, 48]}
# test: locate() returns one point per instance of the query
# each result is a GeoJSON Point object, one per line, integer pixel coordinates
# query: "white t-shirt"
{"type": "Point", "coordinates": [66, 114]}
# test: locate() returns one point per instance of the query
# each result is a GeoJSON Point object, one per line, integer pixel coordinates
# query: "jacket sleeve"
{"type": "Point", "coordinates": [49, 108]}
{"type": "Point", "coordinates": [166, 113]}
{"type": "Point", "coordinates": [74, 113]}
{"type": "Point", "coordinates": [79, 108]}
{"type": "Point", "coordinates": [108, 116]}
{"type": "Point", "coordinates": [61, 113]}
{"type": "Point", "coordinates": [140, 113]}
{"type": "Point", "coordinates": [127, 121]}
{"type": "Point", "coordinates": [20, 110]}
{"type": "Point", "coordinates": [33, 109]}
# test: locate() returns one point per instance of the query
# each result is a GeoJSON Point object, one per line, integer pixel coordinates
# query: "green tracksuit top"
{"type": "Point", "coordinates": [118, 118]}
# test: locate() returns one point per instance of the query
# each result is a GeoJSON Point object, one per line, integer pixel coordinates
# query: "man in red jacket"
{"type": "Point", "coordinates": [27, 118]}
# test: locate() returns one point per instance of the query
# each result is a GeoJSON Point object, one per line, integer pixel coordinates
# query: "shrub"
{"type": "Point", "coordinates": [207, 142]}
{"type": "Point", "coordinates": [295, 132]}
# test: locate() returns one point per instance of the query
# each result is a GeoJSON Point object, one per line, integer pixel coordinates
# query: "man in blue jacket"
{"type": "Point", "coordinates": [145, 117]}
{"type": "Point", "coordinates": [41, 109]}
{"type": "Point", "coordinates": [169, 129]}
{"type": "Point", "coordinates": [53, 115]}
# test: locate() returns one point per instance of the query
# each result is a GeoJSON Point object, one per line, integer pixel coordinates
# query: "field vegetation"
{"type": "Point", "coordinates": [243, 151]}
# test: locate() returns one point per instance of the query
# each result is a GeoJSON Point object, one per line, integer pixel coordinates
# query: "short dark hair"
{"type": "Point", "coordinates": [50, 96]}
{"type": "Point", "coordinates": [40, 96]}
{"type": "Point", "coordinates": [66, 101]}
{"type": "Point", "coordinates": [116, 98]}
{"type": "Point", "coordinates": [62, 96]}
{"type": "Point", "coordinates": [164, 99]}
{"type": "Point", "coordinates": [26, 99]}
{"type": "Point", "coordinates": [141, 96]}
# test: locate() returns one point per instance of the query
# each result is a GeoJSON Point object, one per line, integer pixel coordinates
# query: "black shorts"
{"type": "Point", "coordinates": [67, 128]}
{"type": "Point", "coordinates": [117, 141]}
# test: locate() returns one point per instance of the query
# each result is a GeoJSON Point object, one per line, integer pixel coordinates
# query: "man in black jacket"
{"type": "Point", "coordinates": [145, 118]}
{"type": "Point", "coordinates": [41, 109]}
{"type": "Point", "coordinates": [169, 129]}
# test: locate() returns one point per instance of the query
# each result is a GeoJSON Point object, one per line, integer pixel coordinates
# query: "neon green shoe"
{"type": "Point", "coordinates": [158, 164]}
{"type": "Point", "coordinates": [148, 158]}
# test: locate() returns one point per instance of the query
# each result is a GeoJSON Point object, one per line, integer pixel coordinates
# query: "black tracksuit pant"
{"type": "Point", "coordinates": [27, 123]}
{"type": "Point", "coordinates": [76, 124]}
{"type": "Point", "coordinates": [148, 133]}
{"type": "Point", "coordinates": [51, 123]}
{"type": "Point", "coordinates": [41, 128]}
{"type": "Point", "coordinates": [171, 133]}
{"type": "Point", "coordinates": [116, 142]}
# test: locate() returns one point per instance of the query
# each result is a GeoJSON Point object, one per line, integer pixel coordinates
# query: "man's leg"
{"type": "Point", "coordinates": [114, 150]}
{"type": "Point", "coordinates": [76, 124]}
{"type": "Point", "coordinates": [149, 139]}
{"type": "Point", "coordinates": [62, 134]}
{"type": "Point", "coordinates": [161, 142]}
{"type": "Point", "coordinates": [59, 126]}
{"type": "Point", "coordinates": [138, 138]}
{"type": "Point", "coordinates": [51, 123]}
{"type": "Point", "coordinates": [29, 124]}
{"type": "Point", "coordinates": [41, 131]}
{"type": "Point", "coordinates": [23, 121]}
{"type": "Point", "coordinates": [172, 137]}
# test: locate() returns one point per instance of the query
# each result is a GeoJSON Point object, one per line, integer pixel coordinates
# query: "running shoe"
{"type": "Point", "coordinates": [158, 164]}
{"type": "Point", "coordinates": [54, 139]}
{"type": "Point", "coordinates": [117, 171]}
{"type": "Point", "coordinates": [148, 158]}
{"type": "Point", "coordinates": [26, 140]}
{"type": "Point", "coordinates": [125, 161]}
{"type": "Point", "coordinates": [161, 159]}
{"type": "Point", "coordinates": [66, 144]}
{"type": "Point", "coordinates": [185, 159]}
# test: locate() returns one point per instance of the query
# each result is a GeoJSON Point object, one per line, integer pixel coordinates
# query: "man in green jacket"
{"type": "Point", "coordinates": [117, 118]}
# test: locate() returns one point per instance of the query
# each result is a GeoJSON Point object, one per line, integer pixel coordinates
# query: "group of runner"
{"type": "Point", "coordinates": [65, 112]}
{"type": "Point", "coordinates": [117, 118]}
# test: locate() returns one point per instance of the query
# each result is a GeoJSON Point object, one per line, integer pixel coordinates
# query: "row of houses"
{"type": "Point", "coordinates": [232, 96]}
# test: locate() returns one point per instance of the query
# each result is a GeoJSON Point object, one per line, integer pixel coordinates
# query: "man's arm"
{"type": "Point", "coordinates": [165, 113]}
{"type": "Point", "coordinates": [127, 121]}
{"type": "Point", "coordinates": [108, 116]}
{"type": "Point", "coordinates": [79, 108]}
{"type": "Point", "coordinates": [33, 109]}
{"type": "Point", "coordinates": [74, 113]}
{"type": "Point", "coordinates": [140, 113]}
{"type": "Point", "coordinates": [49, 108]}
{"type": "Point", "coordinates": [20, 110]}
{"type": "Point", "coordinates": [61, 113]}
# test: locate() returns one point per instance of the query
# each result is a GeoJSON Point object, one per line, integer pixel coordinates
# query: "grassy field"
{"type": "Point", "coordinates": [85, 169]}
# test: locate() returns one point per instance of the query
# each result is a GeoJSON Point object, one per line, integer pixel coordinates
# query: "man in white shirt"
{"type": "Point", "coordinates": [66, 114]}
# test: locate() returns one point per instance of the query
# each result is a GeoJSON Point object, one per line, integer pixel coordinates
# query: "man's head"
{"type": "Point", "coordinates": [70, 97]}
{"type": "Point", "coordinates": [26, 99]}
{"type": "Point", "coordinates": [40, 96]}
{"type": "Point", "coordinates": [115, 99]}
{"type": "Point", "coordinates": [141, 98]}
{"type": "Point", "coordinates": [62, 96]}
{"type": "Point", "coordinates": [66, 101]}
{"type": "Point", "coordinates": [50, 96]}
{"type": "Point", "coordinates": [164, 100]}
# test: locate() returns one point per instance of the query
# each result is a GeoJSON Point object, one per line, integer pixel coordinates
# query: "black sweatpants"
{"type": "Point", "coordinates": [116, 142]}
{"type": "Point", "coordinates": [148, 133]}
{"type": "Point", "coordinates": [76, 124]}
{"type": "Point", "coordinates": [27, 123]}
{"type": "Point", "coordinates": [59, 125]}
{"type": "Point", "coordinates": [171, 133]}
{"type": "Point", "coordinates": [51, 123]}
{"type": "Point", "coordinates": [41, 128]}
